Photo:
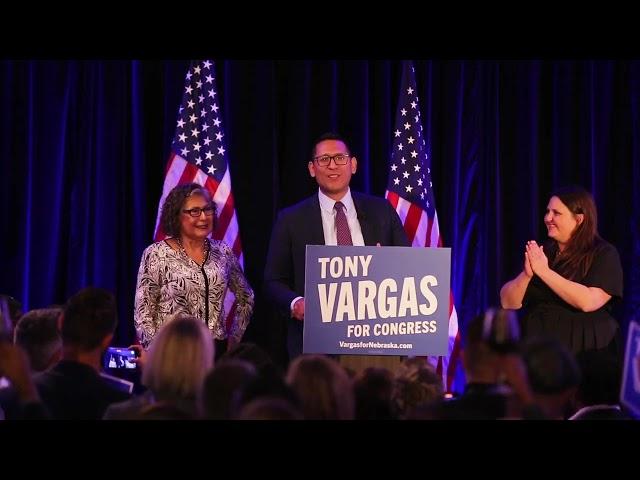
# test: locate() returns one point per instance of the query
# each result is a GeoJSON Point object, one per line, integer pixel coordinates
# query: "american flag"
{"type": "Point", "coordinates": [410, 191]}
{"type": "Point", "coordinates": [198, 154]}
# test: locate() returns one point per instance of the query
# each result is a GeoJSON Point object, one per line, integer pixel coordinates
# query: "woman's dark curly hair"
{"type": "Point", "coordinates": [174, 203]}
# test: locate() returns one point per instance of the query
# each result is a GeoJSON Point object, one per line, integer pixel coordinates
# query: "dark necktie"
{"type": "Point", "coordinates": [343, 234]}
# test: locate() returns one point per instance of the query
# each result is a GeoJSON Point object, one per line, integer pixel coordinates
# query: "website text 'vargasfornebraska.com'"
{"type": "Point", "coordinates": [372, 345]}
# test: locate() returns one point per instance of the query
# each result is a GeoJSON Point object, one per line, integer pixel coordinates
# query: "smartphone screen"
{"type": "Point", "coordinates": [119, 358]}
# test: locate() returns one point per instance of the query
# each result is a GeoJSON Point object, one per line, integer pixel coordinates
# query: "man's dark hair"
{"type": "Point", "coordinates": [223, 387]}
{"type": "Point", "coordinates": [551, 367]}
{"type": "Point", "coordinates": [89, 316]}
{"type": "Point", "coordinates": [37, 333]}
{"type": "Point", "coordinates": [270, 408]}
{"type": "Point", "coordinates": [328, 136]}
{"type": "Point", "coordinates": [373, 391]}
{"type": "Point", "coordinates": [254, 354]}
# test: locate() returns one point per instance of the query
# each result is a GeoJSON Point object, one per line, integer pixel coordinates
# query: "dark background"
{"type": "Point", "coordinates": [83, 148]}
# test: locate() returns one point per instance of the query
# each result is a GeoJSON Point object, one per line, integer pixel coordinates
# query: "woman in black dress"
{"type": "Point", "coordinates": [569, 285]}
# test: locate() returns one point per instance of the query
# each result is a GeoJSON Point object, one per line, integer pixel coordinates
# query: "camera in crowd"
{"type": "Point", "coordinates": [120, 358]}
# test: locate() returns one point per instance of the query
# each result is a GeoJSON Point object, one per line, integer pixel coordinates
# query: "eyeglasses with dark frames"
{"type": "Point", "coordinates": [338, 159]}
{"type": "Point", "coordinates": [197, 211]}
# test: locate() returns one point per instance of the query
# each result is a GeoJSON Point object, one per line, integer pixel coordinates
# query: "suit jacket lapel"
{"type": "Point", "coordinates": [316, 234]}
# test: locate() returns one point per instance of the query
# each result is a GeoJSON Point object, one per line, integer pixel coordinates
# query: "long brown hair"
{"type": "Point", "coordinates": [576, 259]}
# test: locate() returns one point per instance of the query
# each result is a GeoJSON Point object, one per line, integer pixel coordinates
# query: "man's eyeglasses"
{"type": "Point", "coordinates": [339, 159]}
{"type": "Point", "coordinates": [197, 211]}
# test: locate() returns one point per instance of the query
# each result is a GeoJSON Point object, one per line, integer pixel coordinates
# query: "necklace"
{"type": "Point", "coordinates": [205, 248]}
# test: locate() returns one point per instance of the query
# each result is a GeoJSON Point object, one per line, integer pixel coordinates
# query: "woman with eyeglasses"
{"type": "Point", "coordinates": [190, 273]}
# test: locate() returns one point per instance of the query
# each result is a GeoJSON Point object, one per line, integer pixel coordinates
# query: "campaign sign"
{"type": "Point", "coordinates": [630, 391]}
{"type": "Point", "coordinates": [376, 300]}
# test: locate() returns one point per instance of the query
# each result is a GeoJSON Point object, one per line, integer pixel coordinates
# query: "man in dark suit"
{"type": "Point", "coordinates": [371, 221]}
{"type": "Point", "coordinates": [74, 389]}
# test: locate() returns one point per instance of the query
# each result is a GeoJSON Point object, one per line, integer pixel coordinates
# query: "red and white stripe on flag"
{"type": "Point", "coordinates": [410, 191]}
{"type": "Point", "coordinates": [423, 231]}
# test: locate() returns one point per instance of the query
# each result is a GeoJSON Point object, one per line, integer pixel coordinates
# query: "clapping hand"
{"type": "Point", "coordinates": [538, 261]}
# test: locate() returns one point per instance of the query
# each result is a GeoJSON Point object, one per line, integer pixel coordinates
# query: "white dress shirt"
{"type": "Point", "coordinates": [329, 219]}
{"type": "Point", "coordinates": [328, 213]}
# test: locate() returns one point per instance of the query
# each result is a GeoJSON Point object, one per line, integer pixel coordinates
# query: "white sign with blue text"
{"type": "Point", "coordinates": [376, 300]}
